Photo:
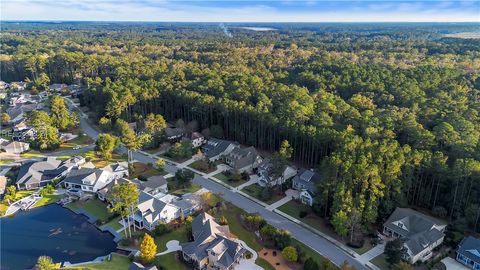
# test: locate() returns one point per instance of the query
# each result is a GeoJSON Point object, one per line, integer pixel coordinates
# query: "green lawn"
{"type": "Point", "coordinates": [6, 161]}
{"type": "Point", "coordinates": [118, 262]}
{"type": "Point", "coordinates": [381, 262]}
{"type": "Point", "coordinates": [367, 245]}
{"type": "Point", "coordinates": [93, 207]}
{"type": "Point", "coordinates": [264, 264]}
{"type": "Point", "coordinates": [179, 234]}
{"type": "Point", "coordinates": [144, 170]}
{"type": "Point", "coordinates": [203, 166]}
{"type": "Point", "coordinates": [114, 223]}
{"type": "Point", "coordinates": [226, 179]}
{"type": "Point", "coordinates": [179, 191]}
{"type": "Point", "coordinates": [256, 191]}
{"type": "Point", "coordinates": [293, 209]}
{"type": "Point", "coordinates": [169, 261]}
{"type": "Point", "coordinates": [32, 154]}
{"type": "Point", "coordinates": [97, 160]}
{"type": "Point", "coordinates": [19, 195]}
{"type": "Point", "coordinates": [48, 199]}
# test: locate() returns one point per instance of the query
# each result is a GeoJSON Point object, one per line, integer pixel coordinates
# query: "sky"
{"type": "Point", "coordinates": [243, 11]}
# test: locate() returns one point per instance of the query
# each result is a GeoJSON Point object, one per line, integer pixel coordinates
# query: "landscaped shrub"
{"type": "Point", "coordinates": [248, 255]}
{"type": "Point", "coordinates": [161, 229]}
{"type": "Point", "coordinates": [356, 244]}
{"type": "Point", "coordinates": [302, 214]}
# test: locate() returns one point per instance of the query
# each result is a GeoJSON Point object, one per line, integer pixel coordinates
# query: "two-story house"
{"type": "Point", "coordinates": [196, 138]}
{"type": "Point", "coordinates": [306, 181]}
{"type": "Point", "coordinates": [152, 211]}
{"type": "Point", "coordinates": [468, 252]}
{"type": "Point", "coordinates": [87, 179]}
{"type": "Point", "coordinates": [268, 179]}
{"type": "Point", "coordinates": [419, 232]}
{"type": "Point", "coordinates": [216, 149]}
{"type": "Point", "coordinates": [243, 159]}
{"type": "Point", "coordinates": [212, 247]}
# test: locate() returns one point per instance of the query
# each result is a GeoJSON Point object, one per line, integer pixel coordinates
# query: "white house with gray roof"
{"type": "Point", "coordinates": [306, 182]}
{"type": "Point", "coordinates": [419, 232]}
{"type": "Point", "coordinates": [151, 211]}
{"type": "Point", "coordinates": [468, 252]}
{"type": "Point", "coordinates": [266, 179]}
{"type": "Point", "coordinates": [212, 247]}
{"type": "Point", "coordinates": [87, 179]}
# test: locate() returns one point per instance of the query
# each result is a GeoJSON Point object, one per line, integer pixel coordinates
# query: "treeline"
{"type": "Point", "coordinates": [390, 117]}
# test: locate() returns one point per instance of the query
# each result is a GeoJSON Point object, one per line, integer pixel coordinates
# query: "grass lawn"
{"type": "Point", "coordinates": [118, 262]}
{"type": "Point", "coordinates": [264, 264]}
{"type": "Point", "coordinates": [80, 141]}
{"type": "Point", "coordinates": [179, 191]}
{"type": "Point", "coordinates": [381, 262]}
{"type": "Point", "coordinates": [114, 223]}
{"type": "Point", "coordinates": [19, 195]}
{"type": "Point", "coordinates": [144, 170]}
{"type": "Point", "coordinates": [169, 261]}
{"type": "Point", "coordinates": [98, 161]}
{"type": "Point", "coordinates": [224, 178]}
{"type": "Point", "coordinates": [6, 161]}
{"type": "Point", "coordinates": [256, 191]}
{"type": "Point", "coordinates": [293, 208]}
{"type": "Point", "coordinates": [367, 245]}
{"type": "Point", "coordinates": [32, 154]}
{"type": "Point", "coordinates": [179, 234]}
{"type": "Point", "coordinates": [48, 199]}
{"type": "Point", "coordinates": [203, 166]}
{"type": "Point", "coordinates": [177, 159]}
{"type": "Point", "coordinates": [93, 207]}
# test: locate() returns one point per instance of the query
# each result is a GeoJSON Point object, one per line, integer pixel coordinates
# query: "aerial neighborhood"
{"type": "Point", "coordinates": [240, 146]}
{"type": "Point", "coordinates": [162, 188]}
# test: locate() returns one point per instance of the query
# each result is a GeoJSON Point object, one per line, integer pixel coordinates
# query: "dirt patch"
{"type": "Point", "coordinates": [278, 262]}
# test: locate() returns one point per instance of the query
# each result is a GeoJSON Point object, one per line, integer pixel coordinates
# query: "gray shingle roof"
{"type": "Point", "coordinates": [77, 175]}
{"type": "Point", "coordinates": [308, 178]}
{"type": "Point", "coordinates": [243, 157]}
{"type": "Point", "coordinates": [208, 235]}
{"type": "Point", "coordinates": [470, 248]}
{"type": "Point", "coordinates": [418, 230]}
{"type": "Point", "coordinates": [215, 147]}
{"type": "Point", "coordinates": [33, 172]}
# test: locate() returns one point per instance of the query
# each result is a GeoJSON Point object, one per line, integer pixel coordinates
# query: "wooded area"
{"type": "Point", "coordinates": [389, 114]}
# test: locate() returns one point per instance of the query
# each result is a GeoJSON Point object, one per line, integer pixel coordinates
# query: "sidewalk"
{"type": "Point", "coordinates": [289, 195]}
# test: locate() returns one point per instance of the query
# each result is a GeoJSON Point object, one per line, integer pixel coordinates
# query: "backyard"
{"type": "Point", "coordinates": [48, 199]}
{"type": "Point", "coordinates": [175, 189]}
{"type": "Point", "coordinates": [118, 262]}
{"type": "Point", "coordinates": [256, 192]}
{"type": "Point", "coordinates": [94, 207]}
{"type": "Point", "coordinates": [19, 195]}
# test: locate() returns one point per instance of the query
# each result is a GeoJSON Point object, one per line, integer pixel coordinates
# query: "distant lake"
{"type": "Point", "coordinates": [258, 29]}
{"type": "Point", "coordinates": [53, 231]}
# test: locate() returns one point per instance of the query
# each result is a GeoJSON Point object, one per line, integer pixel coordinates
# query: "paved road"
{"type": "Point", "coordinates": [316, 242]}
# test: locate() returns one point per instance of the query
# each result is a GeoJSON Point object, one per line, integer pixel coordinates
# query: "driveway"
{"type": "Point", "coordinates": [253, 180]}
{"type": "Point", "coordinates": [289, 195]}
{"type": "Point", "coordinates": [372, 253]}
{"type": "Point", "coordinates": [451, 264]}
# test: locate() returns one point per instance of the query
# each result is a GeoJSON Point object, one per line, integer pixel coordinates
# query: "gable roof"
{"type": "Point", "coordinates": [118, 166]}
{"type": "Point", "coordinates": [32, 172]}
{"type": "Point", "coordinates": [215, 147]}
{"type": "Point", "coordinates": [470, 248]}
{"type": "Point", "coordinates": [104, 191]}
{"type": "Point", "coordinates": [152, 182]}
{"type": "Point", "coordinates": [210, 236]}
{"type": "Point", "coordinates": [308, 178]}
{"type": "Point", "coordinates": [151, 207]}
{"type": "Point", "coordinates": [418, 230]}
{"type": "Point", "coordinates": [78, 175]}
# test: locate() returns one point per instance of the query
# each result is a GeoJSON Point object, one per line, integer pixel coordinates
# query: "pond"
{"type": "Point", "coordinates": [53, 231]}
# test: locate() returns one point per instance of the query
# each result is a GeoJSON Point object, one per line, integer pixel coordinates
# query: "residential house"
{"type": "Point", "coordinates": [419, 232]}
{"type": "Point", "coordinates": [118, 169]}
{"type": "Point", "coordinates": [154, 185]}
{"type": "Point", "coordinates": [196, 138]}
{"type": "Point", "coordinates": [266, 178]}
{"type": "Point", "coordinates": [17, 112]}
{"type": "Point", "coordinates": [468, 252]}
{"type": "Point", "coordinates": [174, 133]}
{"type": "Point", "coordinates": [35, 174]}
{"type": "Point", "coordinates": [306, 182]}
{"type": "Point", "coordinates": [87, 179]}
{"type": "Point", "coordinates": [102, 193]}
{"type": "Point", "coordinates": [58, 87]}
{"type": "Point", "coordinates": [212, 247]}
{"type": "Point", "coordinates": [215, 149]}
{"type": "Point", "coordinates": [18, 86]}
{"type": "Point", "coordinates": [24, 134]}
{"type": "Point", "coordinates": [243, 159]}
{"type": "Point", "coordinates": [18, 100]}
{"type": "Point", "coordinates": [3, 184]}
{"type": "Point", "coordinates": [4, 85]}
{"type": "Point", "coordinates": [14, 147]}
{"type": "Point", "coordinates": [151, 211]}
{"type": "Point", "coordinates": [74, 88]}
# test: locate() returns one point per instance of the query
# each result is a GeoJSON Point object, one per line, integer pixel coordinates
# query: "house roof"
{"type": "Point", "coordinates": [470, 248]}
{"type": "Point", "coordinates": [35, 171]}
{"type": "Point", "coordinates": [418, 230]}
{"type": "Point", "coordinates": [57, 86]}
{"type": "Point", "coordinates": [104, 191]}
{"type": "Point", "coordinates": [208, 235]}
{"type": "Point", "coordinates": [17, 145]}
{"type": "Point", "coordinates": [78, 175]}
{"type": "Point", "coordinates": [151, 207]}
{"type": "Point", "coordinates": [308, 178]}
{"type": "Point", "coordinates": [14, 112]}
{"type": "Point", "coordinates": [264, 170]}
{"type": "Point", "coordinates": [152, 182]}
{"type": "Point", "coordinates": [174, 132]}
{"type": "Point", "coordinates": [215, 147]}
{"type": "Point", "coordinates": [116, 167]}
{"type": "Point", "coordinates": [243, 157]}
